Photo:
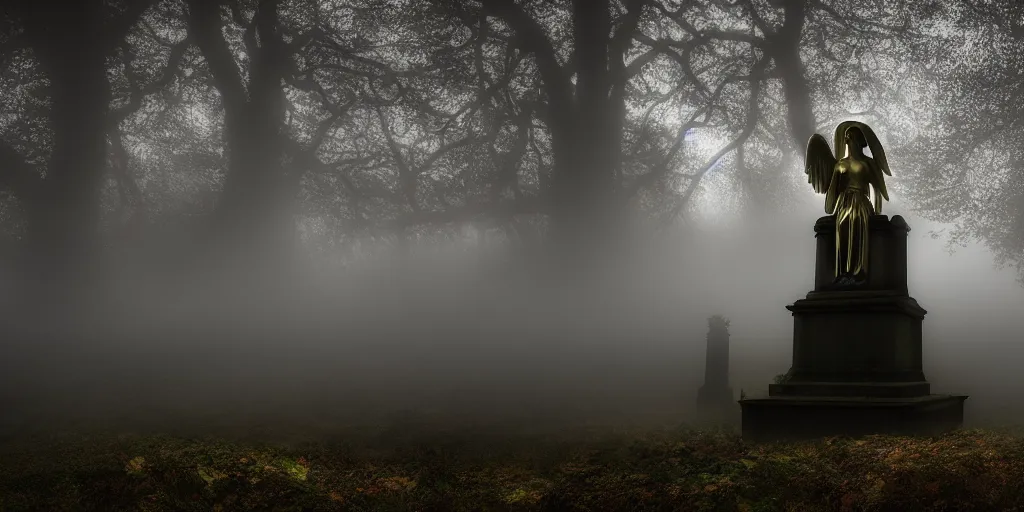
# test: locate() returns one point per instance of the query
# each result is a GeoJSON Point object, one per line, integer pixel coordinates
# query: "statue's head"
{"type": "Point", "coordinates": [855, 138]}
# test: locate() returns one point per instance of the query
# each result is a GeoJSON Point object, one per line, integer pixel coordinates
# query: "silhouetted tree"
{"type": "Point", "coordinates": [72, 44]}
{"type": "Point", "coordinates": [413, 120]}
{"type": "Point", "coordinates": [253, 201]}
{"type": "Point", "coordinates": [966, 167]}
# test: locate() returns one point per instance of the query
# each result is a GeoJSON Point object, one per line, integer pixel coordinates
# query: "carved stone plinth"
{"type": "Point", "coordinates": [887, 255]}
{"type": "Point", "coordinates": [795, 417]}
{"type": "Point", "coordinates": [857, 354]}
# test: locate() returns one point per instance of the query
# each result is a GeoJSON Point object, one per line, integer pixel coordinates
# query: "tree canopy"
{"type": "Point", "coordinates": [267, 125]}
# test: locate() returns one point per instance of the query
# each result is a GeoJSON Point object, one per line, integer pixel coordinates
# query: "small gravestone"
{"type": "Point", "coordinates": [715, 396]}
{"type": "Point", "coordinates": [857, 337]}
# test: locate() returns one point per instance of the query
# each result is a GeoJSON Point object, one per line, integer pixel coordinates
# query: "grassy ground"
{"type": "Point", "coordinates": [415, 467]}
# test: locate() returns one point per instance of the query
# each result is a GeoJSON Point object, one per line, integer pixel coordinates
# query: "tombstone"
{"type": "Point", "coordinates": [857, 353]}
{"type": "Point", "coordinates": [715, 396]}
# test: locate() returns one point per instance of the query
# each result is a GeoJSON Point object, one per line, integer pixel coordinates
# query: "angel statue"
{"type": "Point", "coordinates": [847, 180]}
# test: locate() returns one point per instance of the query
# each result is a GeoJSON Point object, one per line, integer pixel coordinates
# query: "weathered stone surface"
{"type": "Point", "coordinates": [887, 254]}
{"type": "Point", "coordinates": [851, 389]}
{"type": "Point", "coordinates": [859, 337]}
{"type": "Point", "coordinates": [790, 418]}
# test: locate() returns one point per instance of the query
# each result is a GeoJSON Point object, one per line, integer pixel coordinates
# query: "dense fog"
{"type": "Point", "coordinates": [447, 336]}
{"type": "Point", "coordinates": [303, 211]}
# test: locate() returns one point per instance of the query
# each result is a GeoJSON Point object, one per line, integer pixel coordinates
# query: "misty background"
{"type": "Point", "coordinates": [247, 211]}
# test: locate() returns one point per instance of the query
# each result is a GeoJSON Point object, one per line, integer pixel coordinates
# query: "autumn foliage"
{"type": "Point", "coordinates": [488, 470]}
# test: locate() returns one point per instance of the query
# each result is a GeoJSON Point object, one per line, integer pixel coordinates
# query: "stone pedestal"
{"type": "Point", "coordinates": [857, 353]}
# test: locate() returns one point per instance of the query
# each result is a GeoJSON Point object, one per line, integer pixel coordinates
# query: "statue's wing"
{"type": "Point", "coordinates": [878, 183]}
{"type": "Point", "coordinates": [877, 153]}
{"type": "Point", "coordinates": [835, 186]}
{"type": "Point", "coordinates": [878, 166]}
{"type": "Point", "coordinates": [819, 163]}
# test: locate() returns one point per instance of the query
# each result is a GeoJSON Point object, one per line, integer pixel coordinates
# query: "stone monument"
{"type": "Point", "coordinates": [715, 396]}
{"type": "Point", "coordinates": [857, 337]}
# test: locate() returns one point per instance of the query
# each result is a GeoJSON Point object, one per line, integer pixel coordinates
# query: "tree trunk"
{"type": "Point", "coordinates": [587, 146]}
{"type": "Point", "coordinates": [253, 219]}
{"type": "Point", "coordinates": [253, 222]}
{"type": "Point", "coordinates": [785, 51]}
{"type": "Point", "coordinates": [63, 221]}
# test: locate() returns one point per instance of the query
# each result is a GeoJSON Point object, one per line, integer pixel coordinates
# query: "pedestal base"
{"type": "Point", "coordinates": [857, 353]}
{"type": "Point", "coordinates": [851, 389]}
{"type": "Point", "coordinates": [777, 418]}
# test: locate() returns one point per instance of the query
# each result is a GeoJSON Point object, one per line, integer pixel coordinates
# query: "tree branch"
{"type": "Point", "coordinates": [858, 23]}
{"type": "Point", "coordinates": [652, 176]}
{"type": "Point", "coordinates": [306, 158]}
{"type": "Point", "coordinates": [346, 53]}
{"type": "Point", "coordinates": [118, 29]}
{"type": "Point", "coordinates": [753, 116]}
{"type": "Point", "coordinates": [759, 22]}
{"type": "Point", "coordinates": [664, 47]}
{"type": "Point", "coordinates": [406, 174]}
{"type": "Point", "coordinates": [322, 130]}
{"type": "Point", "coordinates": [638, 63]}
{"type": "Point", "coordinates": [532, 39]}
{"type": "Point", "coordinates": [248, 26]}
{"type": "Point", "coordinates": [503, 209]}
{"type": "Point", "coordinates": [444, 149]}
{"type": "Point", "coordinates": [623, 34]}
{"type": "Point", "coordinates": [312, 86]}
{"type": "Point", "coordinates": [205, 28]}
{"type": "Point", "coordinates": [707, 35]}
{"type": "Point", "coordinates": [170, 72]}
{"type": "Point", "coordinates": [649, 178]}
{"type": "Point", "coordinates": [130, 193]}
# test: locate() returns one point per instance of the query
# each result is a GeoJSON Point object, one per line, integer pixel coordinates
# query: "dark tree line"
{"type": "Point", "coordinates": [564, 122]}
